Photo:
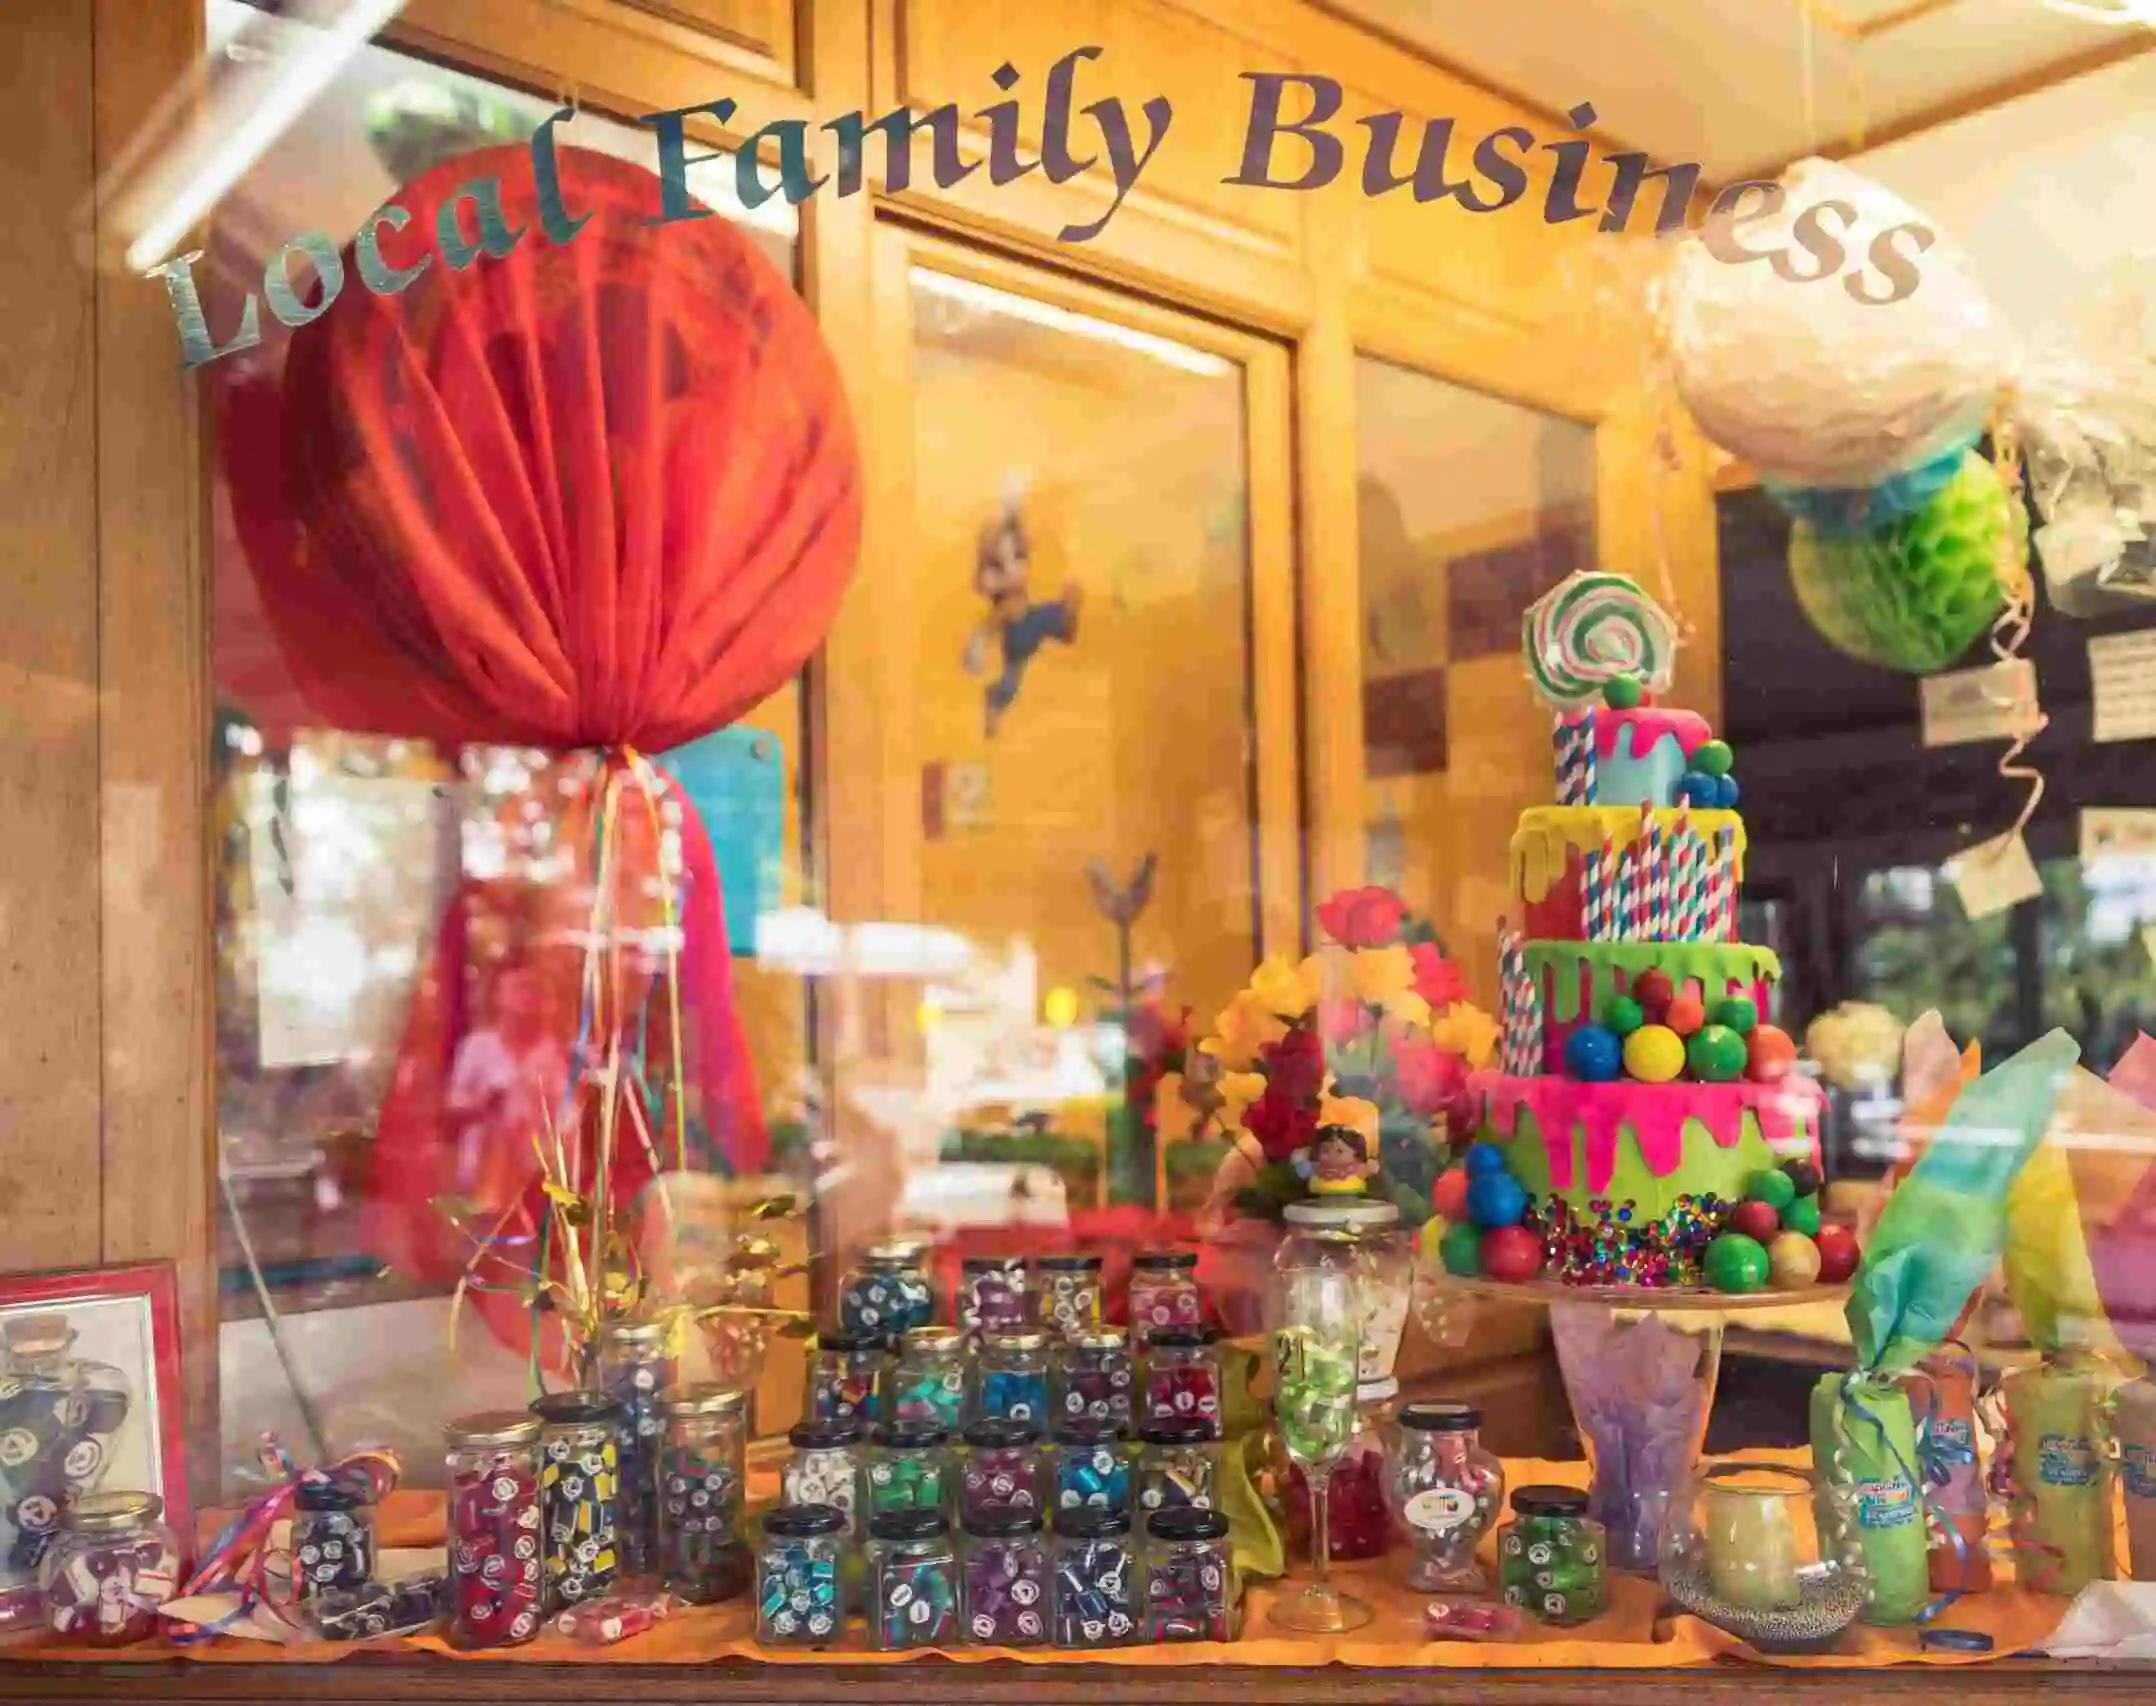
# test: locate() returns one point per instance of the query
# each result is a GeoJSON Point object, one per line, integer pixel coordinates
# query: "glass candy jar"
{"type": "Point", "coordinates": [1445, 1491]}
{"type": "Point", "coordinates": [909, 1470]}
{"type": "Point", "coordinates": [1003, 1468]}
{"type": "Point", "coordinates": [699, 1475]}
{"type": "Point", "coordinates": [1178, 1464]}
{"type": "Point", "coordinates": [1384, 1255]}
{"type": "Point", "coordinates": [1088, 1467]}
{"type": "Point", "coordinates": [1766, 1553]}
{"type": "Point", "coordinates": [1552, 1557]}
{"type": "Point", "coordinates": [888, 1295]}
{"type": "Point", "coordinates": [332, 1537]}
{"type": "Point", "coordinates": [928, 1387]}
{"type": "Point", "coordinates": [1094, 1579]}
{"type": "Point", "coordinates": [495, 1577]}
{"type": "Point", "coordinates": [1012, 1377]}
{"type": "Point", "coordinates": [995, 1295]}
{"type": "Point", "coordinates": [111, 1564]}
{"type": "Point", "coordinates": [1182, 1377]}
{"type": "Point", "coordinates": [1358, 1517]}
{"type": "Point", "coordinates": [799, 1600]}
{"type": "Point", "coordinates": [912, 1581]}
{"type": "Point", "coordinates": [1069, 1294]}
{"type": "Point", "coordinates": [843, 1371]}
{"type": "Point", "coordinates": [58, 1413]}
{"type": "Point", "coordinates": [1006, 1580]}
{"type": "Point", "coordinates": [636, 1364]}
{"type": "Point", "coordinates": [1164, 1293]}
{"type": "Point", "coordinates": [825, 1469]}
{"type": "Point", "coordinates": [1190, 1588]}
{"type": "Point", "coordinates": [580, 1489]}
{"type": "Point", "coordinates": [1092, 1377]}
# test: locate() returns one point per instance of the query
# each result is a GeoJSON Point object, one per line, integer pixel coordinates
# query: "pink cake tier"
{"type": "Point", "coordinates": [1577, 980]}
{"type": "Point", "coordinates": [1550, 854]}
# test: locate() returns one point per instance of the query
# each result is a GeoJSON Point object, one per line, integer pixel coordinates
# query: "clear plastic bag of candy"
{"type": "Point", "coordinates": [406, 1607]}
{"type": "Point", "coordinates": [616, 1617]}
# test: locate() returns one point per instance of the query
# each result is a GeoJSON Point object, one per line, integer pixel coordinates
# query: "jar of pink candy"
{"type": "Point", "coordinates": [1163, 1293]}
{"type": "Point", "coordinates": [109, 1569]}
{"type": "Point", "coordinates": [494, 1568]}
{"type": "Point", "coordinates": [1182, 1377]}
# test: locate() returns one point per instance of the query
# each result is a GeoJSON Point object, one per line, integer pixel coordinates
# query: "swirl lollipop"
{"type": "Point", "coordinates": [1590, 628]}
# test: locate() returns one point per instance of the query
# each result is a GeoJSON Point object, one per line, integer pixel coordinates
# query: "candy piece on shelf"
{"type": "Point", "coordinates": [1468, 1620]}
{"type": "Point", "coordinates": [1484, 1158]}
{"type": "Point", "coordinates": [1735, 1262]}
{"type": "Point", "coordinates": [1770, 1055]}
{"type": "Point", "coordinates": [1653, 990]}
{"type": "Point", "coordinates": [1726, 793]}
{"type": "Point", "coordinates": [1496, 1199]}
{"type": "Point", "coordinates": [1737, 1013]}
{"type": "Point", "coordinates": [1697, 788]}
{"type": "Point", "coordinates": [1759, 1221]}
{"type": "Point", "coordinates": [1716, 1054]}
{"type": "Point", "coordinates": [1714, 757]}
{"type": "Point", "coordinates": [615, 1617]}
{"type": "Point", "coordinates": [1623, 693]}
{"type": "Point", "coordinates": [1461, 1249]}
{"type": "Point", "coordinates": [1448, 1196]}
{"type": "Point", "coordinates": [1654, 1054]}
{"type": "Point", "coordinates": [1771, 1185]}
{"type": "Point", "coordinates": [1838, 1253]}
{"type": "Point", "coordinates": [1623, 1015]}
{"type": "Point", "coordinates": [1685, 1014]}
{"type": "Point", "coordinates": [1792, 1261]}
{"type": "Point", "coordinates": [1802, 1215]}
{"type": "Point", "coordinates": [1804, 1179]}
{"type": "Point", "coordinates": [1511, 1253]}
{"type": "Point", "coordinates": [381, 1608]}
{"type": "Point", "coordinates": [1594, 1054]}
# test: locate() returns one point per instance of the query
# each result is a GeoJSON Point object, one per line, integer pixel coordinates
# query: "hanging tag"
{"type": "Point", "coordinates": [1994, 875]}
{"type": "Point", "coordinates": [2122, 686]}
{"type": "Point", "coordinates": [1995, 702]}
{"type": "Point", "coordinates": [2117, 832]}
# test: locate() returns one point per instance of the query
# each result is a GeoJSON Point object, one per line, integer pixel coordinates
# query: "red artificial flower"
{"type": "Point", "coordinates": [1363, 918]}
{"type": "Point", "coordinates": [1341, 1022]}
{"type": "Point", "coordinates": [1295, 1066]}
{"type": "Point", "coordinates": [1425, 1078]}
{"type": "Point", "coordinates": [1437, 979]}
{"type": "Point", "coordinates": [1281, 1124]}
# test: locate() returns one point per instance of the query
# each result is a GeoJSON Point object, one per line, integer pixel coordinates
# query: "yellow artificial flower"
{"type": "Point", "coordinates": [1244, 1027]}
{"type": "Point", "coordinates": [1468, 1031]}
{"type": "Point", "coordinates": [1286, 989]}
{"type": "Point", "coordinates": [1237, 1091]}
{"type": "Point", "coordinates": [1410, 1007]}
{"type": "Point", "coordinates": [1382, 973]}
{"type": "Point", "coordinates": [1353, 1112]}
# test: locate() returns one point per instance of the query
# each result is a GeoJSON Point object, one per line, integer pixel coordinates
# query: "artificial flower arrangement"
{"type": "Point", "coordinates": [1341, 1074]}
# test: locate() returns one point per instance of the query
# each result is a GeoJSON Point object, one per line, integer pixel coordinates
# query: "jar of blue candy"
{"type": "Point", "coordinates": [1092, 1377]}
{"type": "Point", "coordinates": [636, 1364]}
{"type": "Point", "coordinates": [995, 1295]}
{"type": "Point", "coordinates": [825, 1469]}
{"type": "Point", "coordinates": [910, 1469]}
{"type": "Point", "coordinates": [1006, 1580]}
{"type": "Point", "coordinates": [928, 1385]}
{"type": "Point", "coordinates": [1013, 1377]}
{"type": "Point", "coordinates": [1094, 1579]}
{"type": "Point", "coordinates": [1069, 1293]}
{"type": "Point", "coordinates": [888, 1295]}
{"type": "Point", "coordinates": [1088, 1466]}
{"type": "Point", "coordinates": [1178, 1464]}
{"type": "Point", "coordinates": [843, 1372]}
{"type": "Point", "coordinates": [1003, 1468]}
{"type": "Point", "coordinates": [1190, 1587]}
{"type": "Point", "coordinates": [912, 1581]}
{"type": "Point", "coordinates": [799, 1600]}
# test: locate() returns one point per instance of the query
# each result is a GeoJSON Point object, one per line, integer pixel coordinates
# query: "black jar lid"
{"type": "Point", "coordinates": [1002, 1522]}
{"type": "Point", "coordinates": [911, 1436]}
{"type": "Point", "coordinates": [567, 1409]}
{"type": "Point", "coordinates": [1441, 1417]}
{"type": "Point", "coordinates": [1067, 1262]}
{"type": "Point", "coordinates": [328, 1496]}
{"type": "Point", "coordinates": [1183, 1338]}
{"type": "Point", "coordinates": [1087, 1430]}
{"type": "Point", "coordinates": [850, 1344]}
{"type": "Point", "coordinates": [824, 1436]}
{"type": "Point", "coordinates": [1187, 1522]}
{"type": "Point", "coordinates": [1165, 1259]}
{"type": "Point", "coordinates": [1177, 1430]}
{"type": "Point", "coordinates": [1002, 1432]}
{"type": "Point", "coordinates": [923, 1523]}
{"type": "Point", "coordinates": [992, 1264]}
{"type": "Point", "coordinates": [1545, 1500]}
{"type": "Point", "coordinates": [1092, 1522]}
{"type": "Point", "coordinates": [803, 1522]}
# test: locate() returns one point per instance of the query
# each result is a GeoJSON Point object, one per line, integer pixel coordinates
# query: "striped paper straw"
{"type": "Point", "coordinates": [1643, 873]}
{"type": "Point", "coordinates": [1574, 740]}
{"type": "Point", "coordinates": [1680, 848]}
{"type": "Point", "coordinates": [1721, 922]}
{"type": "Point", "coordinates": [1520, 1045]}
{"type": "Point", "coordinates": [1605, 922]}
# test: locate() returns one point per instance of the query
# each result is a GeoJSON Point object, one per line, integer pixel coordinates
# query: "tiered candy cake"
{"type": "Point", "coordinates": [1641, 1095]}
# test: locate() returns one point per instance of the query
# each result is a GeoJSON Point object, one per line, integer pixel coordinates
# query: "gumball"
{"type": "Point", "coordinates": [1770, 1055]}
{"type": "Point", "coordinates": [1652, 990]}
{"type": "Point", "coordinates": [1737, 1013]}
{"type": "Point", "coordinates": [1714, 757]}
{"type": "Point", "coordinates": [1484, 1158]}
{"type": "Point", "coordinates": [1803, 1176]}
{"type": "Point", "coordinates": [1838, 1253]}
{"type": "Point", "coordinates": [1736, 1263]}
{"type": "Point", "coordinates": [1697, 788]}
{"type": "Point", "coordinates": [1448, 1196]}
{"type": "Point", "coordinates": [1685, 1014]}
{"type": "Point", "coordinates": [1511, 1253]}
{"type": "Point", "coordinates": [1756, 1220]}
{"type": "Point", "coordinates": [1802, 1215]}
{"type": "Point", "coordinates": [1461, 1249]}
{"type": "Point", "coordinates": [1623, 1015]}
{"type": "Point", "coordinates": [1654, 1054]}
{"type": "Point", "coordinates": [1771, 1185]}
{"type": "Point", "coordinates": [1594, 1054]}
{"type": "Point", "coordinates": [1623, 692]}
{"type": "Point", "coordinates": [1792, 1261]}
{"type": "Point", "coordinates": [1495, 1199]}
{"type": "Point", "coordinates": [1715, 1053]}
{"type": "Point", "coordinates": [1726, 793]}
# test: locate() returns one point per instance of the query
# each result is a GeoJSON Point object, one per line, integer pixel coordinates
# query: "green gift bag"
{"type": "Point", "coordinates": [1864, 1444]}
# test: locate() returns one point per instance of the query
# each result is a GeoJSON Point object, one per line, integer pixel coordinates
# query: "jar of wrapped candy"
{"type": "Point", "coordinates": [1164, 1293]}
{"type": "Point", "coordinates": [580, 1490]}
{"type": "Point", "coordinates": [1178, 1464]}
{"type": "Point", "coordinates": [1444, 1489]}
{"type": "Point", "coordinates": [995, 1295]}
{"type": "Point", "coordinates": [1003, 1468]}
{"type": "Point", "coordinates": [1358, 1512]}
{"type": "Point", "coordinates": [1006, 1579]}
{"type": "Point", "coordinates": [495, 1577]}
{"type": "Point", "coordinates": [825, 1469]}
{"type": "Point", "coordinates": [1091, 1377]}
{"type": "Point", "coordinates": [1190, 1586]}
{"type": "Point", "coordinates": [888, 1295]}
{"type": "Point", "coordinates": [635, 1365]}
{"type": "Point", "coordinates": [1094, 1579]}
{"type": "Point", "coordinates": [799, 1601]}
{"type": "Point", "coordinates": [1551, 1557]}
{"type": "Point", "coordinates": [55, 1436]}
{"type": "Point", "coordinates": [912, 1581]}
{"type": "Point", "coordinates": [332, 1536]}
{"type": "Point", "coordinates": [110, 1565]}
{"type": "Point", "coordinates": [910, 1470]}
{"type": "Point", "coordinates": [698, 1480]}
{"type": "Point", "coordinates": [1070, 1293]}
{"type": "Point", "coordinates": [928, 1387]}
{"type": "Point", "coordinates": [1182, 1377]}
{"type": "Point", "coordinates": [843, 1370]}
{"type": "Point", "coordinates": [1088, 1467]}
{"type": "Point", "coordinates": [1012, 1377]}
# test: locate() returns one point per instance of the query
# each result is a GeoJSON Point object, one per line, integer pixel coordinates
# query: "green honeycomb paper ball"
{"type": "Point", "coordinates": [1915, 595]}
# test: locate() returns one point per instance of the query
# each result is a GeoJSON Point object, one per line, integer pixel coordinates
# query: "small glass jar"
{"type": "Point", "coordinates": [635, 1366]}
{"type": "Point", "coordinates": [55, 1439]}
{"type": "Point", "coordinates": [1002, 1470]}
{"type": "Point", "coordinates": [580, 1490]}
{"type": "Point", "coordinates": [1089, 1466]}
{"type": "Point", "coordinates": [1182, 1377]}
{"type": "Point", "coordinates": [1164, 1293]}
{"type": "Point", "coordinates": [1094, 1585]}
{"type": "Point", "coordinates": [825, 1469]}
{"type": "Point", "coordinates": [1007, 1580]}
{"type": "Point", "coordinates": [799, 1600]}
{"type": "Point", "coordinates": [1069, 1294]}
{"type": "Point", "coordinates": [888, 1295]}
{"type": "Point", "coordinates": [843, 1371]}
{"type": "Point", "coordinates": [1358, 1513]}
{"type": "Point", "coordinates": [109, 1567]}
{"type": "Point", "coordinates": [1093, 1377]}
{"type": "Point", "coordinates": [1190, 1586]}
{"type": "Point", "coordinates": [698, 1480]}
{"type": "Point", "coordinates": [1178, 1464]}
{"type": "Point", "coordinates": [928, 1387]}
{"type": "Point", "coordinates": [910, 1470]}
{"type": "Point", "coordinates": [1552, 1557]}
{"type": "Point", "coordinates": [912, 1581]}
{"type": "Point", "coordinates": [995, 1295]}
{"type": "Point", "coordinates": [1445, 1491]}
{"type": "Point", "coordinates": [1012, 1377]}
{"type": "Point", "coordinates": [1766, 1552]}
{"type": "Point", "coordinates": [332, 1537]}
{"type": "Point", "coordinates": [496, 1580]}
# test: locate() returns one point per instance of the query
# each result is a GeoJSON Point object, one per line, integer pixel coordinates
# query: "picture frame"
{"type": "Point", "coordinates": [91, 1399]}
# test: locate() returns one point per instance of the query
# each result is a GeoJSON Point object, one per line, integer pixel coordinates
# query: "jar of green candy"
{"type": "Point", "coordinates": [912, 1581]}
{"type": "Point", "coordinates": [1551, 1557]}
{"type": "Point", "coordinates": [928, 1387]}
{"type": "Point", "coordinates": [910, 1470]}
{"type": "Point", "coordinates": [799, 1598]}
{"type": "Point", "coordinates": [888, 1294]}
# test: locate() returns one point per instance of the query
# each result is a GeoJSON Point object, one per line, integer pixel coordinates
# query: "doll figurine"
{"type": "Point", "coordinates": [1337, 1163]}
{"type": "Point", "coordinates": [1001, 567]}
